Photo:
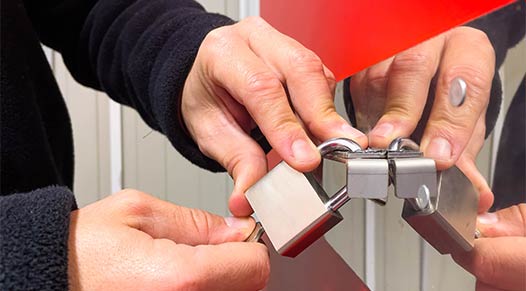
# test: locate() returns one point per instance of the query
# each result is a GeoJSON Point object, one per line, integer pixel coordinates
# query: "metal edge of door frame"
{"type": "Point", "coordinates": [115, 123]}
{"type": "Point", "coordinates": [248, 8]}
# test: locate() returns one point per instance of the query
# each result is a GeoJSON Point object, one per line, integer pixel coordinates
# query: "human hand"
{"type": "Point", "coordinates": [390, 98]}
{"type": "Point", "coordinates": [498, 260]}
{"type": "Point", "coordinates": [247, 74]}
{"type": "Point", "coordinates": [133, 241]}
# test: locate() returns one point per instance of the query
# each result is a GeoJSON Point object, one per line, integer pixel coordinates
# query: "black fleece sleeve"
{"type": "Point", "coordinates": [34, 238]}
{"type": "Point", "coordinates": [138, 51]}
{"type": "Point", "coordinates": [504, 28]}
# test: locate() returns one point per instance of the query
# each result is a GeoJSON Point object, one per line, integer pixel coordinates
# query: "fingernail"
{"type": "Point", "coordinates": [439, 149]}
{"type": "Point", "coordinates": [488, 218]}
{"type": "Point", "coordinates": [383, 130]}
{"type": "Point", "coordinates": [303, 152]}
{"type": "Point", "coordinates": [239, 222]}
{"type": "Point", "coordinates": [351, 131]}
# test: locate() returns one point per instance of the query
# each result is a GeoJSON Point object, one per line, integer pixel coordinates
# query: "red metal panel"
{"type": "Point", "coordinates": [350, 35]}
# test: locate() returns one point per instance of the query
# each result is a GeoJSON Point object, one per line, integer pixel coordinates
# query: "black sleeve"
{"type": "Point", "coordinates": [505, 28]}
{"type": "Point", "coordinates": [138, 51]}
{"type": "Point", "coordinates": [34, 231]}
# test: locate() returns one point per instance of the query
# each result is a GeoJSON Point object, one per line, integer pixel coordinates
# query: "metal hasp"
{"type": "Point", "coordinates": [368, 178]}
{"type": "Point", "coordinates": [441, 207]}
{"type": "Point", "coordinates": [293, 208]}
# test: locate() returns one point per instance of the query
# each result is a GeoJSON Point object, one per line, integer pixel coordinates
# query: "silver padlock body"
{"type": "Point", "coordinates": [449, 225]}
{"type": "Point", "coordinates": [291, 207]}
{"type": "Point", "coordinates": [367, 178]}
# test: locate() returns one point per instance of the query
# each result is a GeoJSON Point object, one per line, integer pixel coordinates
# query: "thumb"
{"type": "Point", "coordinates": [246, 172]}
{"type": "Point", "coordinates": [499, 262]}
{"type": "Point", "coordinates": [510, 221]}
{"type": "Point", "coordinates": [499, 257]}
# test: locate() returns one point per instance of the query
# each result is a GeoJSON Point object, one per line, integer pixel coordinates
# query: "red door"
{"type": "Point", "coordinates": [350, 35]}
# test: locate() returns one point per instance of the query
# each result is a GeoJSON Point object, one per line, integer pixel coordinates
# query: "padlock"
{"type": "Point", "coordinates": [447, 219]}
{"type": "Point", "coordinates": [440, 206]}
{"type": "Point", "coordinates": [293, 208]}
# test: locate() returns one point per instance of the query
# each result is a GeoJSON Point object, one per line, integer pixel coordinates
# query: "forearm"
{"type": "Point", "coordinates": [143, 57]}
{"type": "Point", "coordinates": [139, 52]}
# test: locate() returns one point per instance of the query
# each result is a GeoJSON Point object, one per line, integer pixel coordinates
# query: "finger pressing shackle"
{"type": "Point", "coordinates": [462, 94]}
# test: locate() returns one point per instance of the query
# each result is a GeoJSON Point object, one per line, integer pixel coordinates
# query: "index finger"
{"type": "Point", "coordinates": [468, 56]}
{"type": "Point", "coordinates": [228, 266]}
{"type": "Point", "coordinates": [251, 82]}
{"type": "Point", "coordinates": [407, 88]}
{"type": "Point", "coordinates": [308, 82]}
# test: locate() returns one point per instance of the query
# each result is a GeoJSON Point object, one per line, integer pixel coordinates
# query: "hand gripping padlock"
{"type": "Point", "coordinates": [440, 206]}
{"type": "Point", "coordinates": [293, 208]}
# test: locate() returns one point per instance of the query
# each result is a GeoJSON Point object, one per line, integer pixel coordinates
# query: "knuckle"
{"type": "Point", "coordinates": [326, 116]}
{"type": "Point", "coordinates": [201, 222]}
{"type": "Point", "coordinates": [204, 141]}
{"type": "Point", "coordinates": [256, 21]}
{"type": "Point", "coordinates": [133, 202]}
{"type": "Point", "coordinates": [447, 126]}
{"type": "Point", "coordinates": [305, 60]}
{"type": "Point", "coordinates": [415, 62]}
{"type": "Point", "coordinates": [477, 38]}
{"type": "Point", "coordinates": [216, 41]}
{"type": "Point", "coordinates": [203, 148]}
{"type": "Point", "coordinates": [375, 73]}
{"type": "Point", "coordinates": [218, 35]}
{"type": "Point", "coordinates": [375, 80]}
{"type": "Point", "coordinates": [474, 34]}
{"type": "Point", "coordinates": [262, 82]}
{"type": "Point", "coordinates": [131, 195]}
{"type": "Point", "coordinates": [287, 126]}
{"type": "Point", "coordinates": [231, 163]}
{"type": "Point", "coordinates": [482, 38]}
{"type": "Point", "coordinates": [401, 111]}
{"type": "Point", "coordinates": [478, 83]}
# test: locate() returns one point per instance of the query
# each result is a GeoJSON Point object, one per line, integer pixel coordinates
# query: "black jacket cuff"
{"type": "Point", "coordinates": [34, 230]}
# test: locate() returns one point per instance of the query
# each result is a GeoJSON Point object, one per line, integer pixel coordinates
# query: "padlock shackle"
{"type": "Point", "coordinates": [402, 143]}
{"type": "Point", "coordinates": [338, 199]}
{"type": "Point", "coordinates": [331, 146]}
{"type": "Point", "coordinates": [338, 144]}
